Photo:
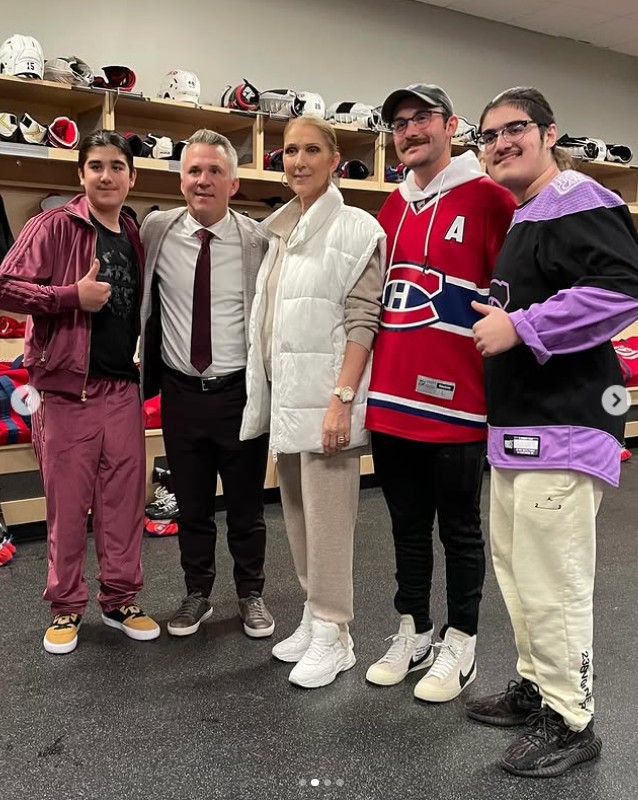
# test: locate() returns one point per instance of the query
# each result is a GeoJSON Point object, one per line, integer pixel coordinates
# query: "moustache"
{"type": "Point", "coordinates": [500, 156]}
{"type": "Point", "coordinates": [413, 143]}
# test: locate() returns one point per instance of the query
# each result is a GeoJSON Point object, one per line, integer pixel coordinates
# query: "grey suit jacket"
{"type": "Point", "coordinates": [155, 227]}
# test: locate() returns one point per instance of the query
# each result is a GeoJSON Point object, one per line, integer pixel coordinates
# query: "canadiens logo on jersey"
{"type": "Point", "coordinates": [408, 295]}
{"type": "Point", "coordinates": [415, 296]}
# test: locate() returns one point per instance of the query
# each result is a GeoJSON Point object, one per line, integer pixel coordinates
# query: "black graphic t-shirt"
{"type": "Point", "coordinates": [113, 328]}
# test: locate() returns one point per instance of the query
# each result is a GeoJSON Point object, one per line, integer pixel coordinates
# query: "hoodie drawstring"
{"type": "Point", "coordinates": [436, 205]}
{"type": "Point", "coordinates": [430, 226]}
{"type": "Point", "coordinates": [396, 237]}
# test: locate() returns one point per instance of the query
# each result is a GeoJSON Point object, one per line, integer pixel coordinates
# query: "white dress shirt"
{"type": "Point", "coordinates": [176, 264]}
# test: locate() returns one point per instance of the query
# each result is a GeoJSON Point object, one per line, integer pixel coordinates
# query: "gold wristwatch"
{"type": "Point", "coordinates": [344, 393]}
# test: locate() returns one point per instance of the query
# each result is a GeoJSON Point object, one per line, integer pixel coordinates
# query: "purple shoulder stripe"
{"type": "Point", "coordinates": [570, 192]}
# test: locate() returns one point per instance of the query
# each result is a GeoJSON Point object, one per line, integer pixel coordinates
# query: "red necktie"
{"type": "Point", "coordinates": [201, 348]}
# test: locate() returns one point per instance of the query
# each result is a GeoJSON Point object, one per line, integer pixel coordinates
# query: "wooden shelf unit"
{"type": "Point", "coordinates": [252, 134]}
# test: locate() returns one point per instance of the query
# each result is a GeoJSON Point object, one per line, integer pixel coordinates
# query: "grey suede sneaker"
{"type": "Point", "coordinates": [193, 611]}
{"type": "Point", "coordinates": [257, 620]}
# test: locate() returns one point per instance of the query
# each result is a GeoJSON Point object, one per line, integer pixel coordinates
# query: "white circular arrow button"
{"type": "Point", "coordinates": [616, 400]}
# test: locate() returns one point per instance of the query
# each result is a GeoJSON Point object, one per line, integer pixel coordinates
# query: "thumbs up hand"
{"type": "Point", "coordinates": [495, 333]}
{"type": "Point", "coordinates": [93, 294]}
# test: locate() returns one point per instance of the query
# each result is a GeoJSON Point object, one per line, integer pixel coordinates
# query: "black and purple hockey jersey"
{"type": "Point", "coordinates": [568, 276]}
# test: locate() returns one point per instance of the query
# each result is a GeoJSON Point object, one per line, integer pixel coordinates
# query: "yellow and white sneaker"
{"type": "Point", "coordinates": [62, 634]}
{"type": "Point", "coordinates": [453, 670]}
{"type": "Point", "coordinates": [132, 621]}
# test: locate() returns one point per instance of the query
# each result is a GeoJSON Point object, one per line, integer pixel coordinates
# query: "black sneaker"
{"type": "Point", "coordinates": [132, 621]}
{"type": "Point", "coordinates": [550, 748]}
{"type": "Point", "coordinates": [257, 620]}
{"type": "Point", "coordinates": [164, 507]}
{"type": "Point", "coordinates": [511, 707]}
{"type": "Point", "coordinates": [195, 608]}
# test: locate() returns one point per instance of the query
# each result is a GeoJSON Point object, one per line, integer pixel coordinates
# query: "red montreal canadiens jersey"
{"type": "Point", "coordinates": [427, 376]}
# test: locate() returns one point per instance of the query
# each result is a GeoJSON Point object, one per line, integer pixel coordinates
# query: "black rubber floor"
{"type": "Point", "coordinates": [214, 716]}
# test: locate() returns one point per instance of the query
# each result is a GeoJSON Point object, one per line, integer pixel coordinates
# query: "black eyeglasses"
{"type": "Point", "coordinates": [512, 132]}
{"type": "Point", "coordinates": [421, 119]}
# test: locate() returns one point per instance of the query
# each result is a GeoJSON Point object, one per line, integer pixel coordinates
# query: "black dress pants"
{"type": "Point", "coordinates": [421, 481]}
{"type": "Point", "coordinates": [201, 434]}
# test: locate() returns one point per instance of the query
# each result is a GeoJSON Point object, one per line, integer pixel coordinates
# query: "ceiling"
{"type": "Point", "coordinates": [611, 24]}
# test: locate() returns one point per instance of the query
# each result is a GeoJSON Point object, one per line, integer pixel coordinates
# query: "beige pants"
{"type": "Point", "coordinates": [320, 498]}
{"type": "Point", "coordinates": [543, 537]}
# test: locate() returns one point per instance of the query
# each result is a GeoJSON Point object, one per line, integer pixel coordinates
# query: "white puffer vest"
{"type": "Point", "coordinates": [325, 257]}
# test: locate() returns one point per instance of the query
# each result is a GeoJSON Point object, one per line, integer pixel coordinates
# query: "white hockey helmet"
{"type": "Point", "coordinates": [178, 84]}
{"type": "Point", "coordinates": [22, 56]}
{"type": "Point", "coordinates": [348, 113]}
{"type": "Point", "coordinates": [309, 104]}
{"type": "Point", "coordinates": [69, 69]}
{"type": "Point", "coordinates": [287, 103]}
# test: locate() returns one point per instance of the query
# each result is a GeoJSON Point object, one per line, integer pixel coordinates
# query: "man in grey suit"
{"type": "Point", "coordinates": [199, 283]}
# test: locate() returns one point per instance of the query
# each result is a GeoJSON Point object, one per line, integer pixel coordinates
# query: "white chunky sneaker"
{"type": "Point", "coordinates": [453, 670]}
{"type": "Point", "coordinates": [293, 648]}
{"type": "Point", "coordinates": [409, 652]}
{"type": "Point", "coordinates": [325, 658]}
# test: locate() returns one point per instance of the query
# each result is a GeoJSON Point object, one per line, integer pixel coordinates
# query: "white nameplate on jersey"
{"type": "Point", "coordinates": [435, 388]}
{"type": "Point", "coordinates": [522, 445]}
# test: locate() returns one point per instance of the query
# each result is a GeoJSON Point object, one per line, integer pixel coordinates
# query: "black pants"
{"type": "Point", "coordinates": [421, 480]}
{"type": "Point", "coordinates": [201, 434]}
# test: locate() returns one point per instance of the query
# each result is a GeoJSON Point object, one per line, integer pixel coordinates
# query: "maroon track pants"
{"type": "Point", "coordinates": [92, 456]}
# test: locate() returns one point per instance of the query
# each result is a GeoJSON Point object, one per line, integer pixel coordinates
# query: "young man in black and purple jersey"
{"type": "Point", "coordinates": [565, 283]}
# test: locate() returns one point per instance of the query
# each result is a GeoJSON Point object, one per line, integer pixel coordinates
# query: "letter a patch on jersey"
{"type": "Point", "coordinates": [456, 229]}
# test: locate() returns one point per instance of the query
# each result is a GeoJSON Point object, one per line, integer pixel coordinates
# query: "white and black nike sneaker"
{"type": "Point", "coordinates": [453, 670]}
{"type": "Point", "coordinates": [409, 651]}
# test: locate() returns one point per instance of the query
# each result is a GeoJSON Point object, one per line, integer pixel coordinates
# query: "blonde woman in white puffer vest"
{"type": "Point", "coordinates": [313, 323]}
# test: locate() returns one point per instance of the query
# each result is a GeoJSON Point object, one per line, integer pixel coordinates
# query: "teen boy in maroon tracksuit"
{"type": "Point", "coordinates": [77, 270]}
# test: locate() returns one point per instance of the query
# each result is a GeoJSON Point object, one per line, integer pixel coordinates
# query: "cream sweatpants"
{"type": "Point", "coordinates": [320, 499]}
{"type": "Point", "coordinates": [543, 538]}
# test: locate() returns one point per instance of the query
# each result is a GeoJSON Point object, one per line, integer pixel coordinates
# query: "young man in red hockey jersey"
{"type": "Point", "coordinates": [426, 408]}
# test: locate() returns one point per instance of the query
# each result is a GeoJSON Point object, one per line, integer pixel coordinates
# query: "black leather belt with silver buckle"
{"type": "Point", "coordinates": [216, 384]}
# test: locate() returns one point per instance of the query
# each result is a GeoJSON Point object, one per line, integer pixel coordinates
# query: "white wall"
{"type": "Point", "coordinates": [344, 49]}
